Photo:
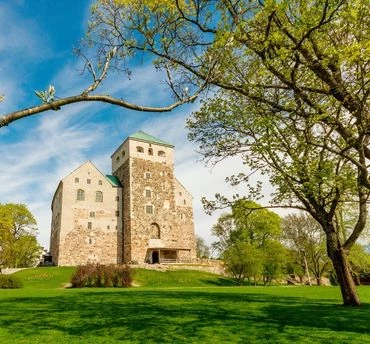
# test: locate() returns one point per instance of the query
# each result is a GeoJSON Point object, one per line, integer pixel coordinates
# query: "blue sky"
{"type": "Point", "coordinates": [36, 42]}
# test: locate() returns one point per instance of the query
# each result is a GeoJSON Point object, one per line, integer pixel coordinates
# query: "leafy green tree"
{"type": "Point", "coordinates": [222, 230]}
{"type": "Point", "coordinates": [18, 243]}
{"type": "Point", "coordinates": [202, 248]}
{"type": "Point", "coordinates": [274, 261]}
{"type": "Point", "coordinates": [254, 232]}
{"type": "Point", "coordinates": [254, 224]}
{"type": "Point", "coordinates": [243, 260]}
{"type": "Point", "coordinates": [360, 262]}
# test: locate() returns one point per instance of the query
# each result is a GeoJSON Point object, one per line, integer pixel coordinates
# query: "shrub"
{"type": "Point", "coordinates": [98, 276]}
{"type": "Point", "coordinates": [10, 282]}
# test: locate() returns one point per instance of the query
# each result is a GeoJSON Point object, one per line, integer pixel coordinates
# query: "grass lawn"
{"type": "Point", "coordinates": [177, 307]}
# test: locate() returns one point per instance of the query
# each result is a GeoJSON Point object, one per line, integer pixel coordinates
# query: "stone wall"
{"type": "Point", "coordinates": [123, 174]}
{"type": "Point", "coordinates": [90, 230]}
{"type": "Point", "coordinates": [145, 183]}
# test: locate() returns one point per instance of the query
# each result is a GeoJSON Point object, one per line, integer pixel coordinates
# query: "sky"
{"type": "Point", "coordinates": [36, 50]}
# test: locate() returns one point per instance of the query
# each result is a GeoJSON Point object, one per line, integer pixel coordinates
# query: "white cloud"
{"type": "Point", "coordinates": [58, 142]}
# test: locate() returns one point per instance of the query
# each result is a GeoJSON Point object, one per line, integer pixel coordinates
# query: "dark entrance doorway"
{"type": "Point", "coordinates": [155, 257]}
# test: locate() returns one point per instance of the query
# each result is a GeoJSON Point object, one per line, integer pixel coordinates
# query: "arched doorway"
{"type": "Point", "coordinates": [155, 257]}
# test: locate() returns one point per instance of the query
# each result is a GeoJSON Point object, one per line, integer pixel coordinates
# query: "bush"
{"type": "Point", "coordinates": [99, 276]}
{"type": "Point", "coordinates": [9, 282]}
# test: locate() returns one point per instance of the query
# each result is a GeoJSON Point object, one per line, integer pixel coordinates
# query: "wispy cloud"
{"type": "Point", "coordinates": [35, 158]}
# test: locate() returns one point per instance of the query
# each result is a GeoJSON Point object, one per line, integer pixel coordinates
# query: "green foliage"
{"type": "Point", "coordinates": [10, 282]}
{"type": "Point", "coordinates": [274, 262]}
{"type": "Point", "coordinates": [360, 263]}
{"type": "Point", "coordinates": [18, 243]}
{"type": "Point", "coordinates": [243, 260]}
{"type": "Point", "coordinates": [248, 242]}
{"type": "Point", "coordinates": [254, 224]}
{"type": "Point", "coordinates": [98, 276]}
{"type": "Point", "coordinates": [222, 230]}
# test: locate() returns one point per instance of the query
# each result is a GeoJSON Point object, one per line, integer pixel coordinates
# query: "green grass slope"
{"type": "Point", "coordinates": [176, 307]}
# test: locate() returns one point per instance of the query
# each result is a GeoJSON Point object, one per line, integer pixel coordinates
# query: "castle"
{"type": "Point", "coordinates": [139, 214]}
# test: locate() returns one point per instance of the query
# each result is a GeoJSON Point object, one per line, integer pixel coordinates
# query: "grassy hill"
{"type": "Point", "coordinates": [176, 307]}
{"type": "Point", "coordinates": [58, 277]}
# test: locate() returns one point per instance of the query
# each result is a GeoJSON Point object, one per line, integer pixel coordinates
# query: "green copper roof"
{"type": "Point", "coordinates": [141, 136]}
{"type": "Point", "coordinates": [113, 180]}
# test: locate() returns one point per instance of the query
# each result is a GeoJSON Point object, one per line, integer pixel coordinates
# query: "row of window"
{"type": "Point", "coordinates": [160, 153]}
{"type": "Point", "coordinates": [90, 224]}
{"type": "Point", "coordinates": [140, 149]}
{"type": "Point", "coordinates": [80, 196]}
{"type": "Point", "coordinates": [88, 181]}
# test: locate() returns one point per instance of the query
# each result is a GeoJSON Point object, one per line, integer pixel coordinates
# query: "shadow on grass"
{"type": "Point", "coordinates": [180, 316]}
{"type": "Point", "coordinates": [221, 282]}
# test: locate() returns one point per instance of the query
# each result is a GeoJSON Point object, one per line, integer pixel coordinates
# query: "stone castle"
{"type": "Point", "coordinates": [139, 214]}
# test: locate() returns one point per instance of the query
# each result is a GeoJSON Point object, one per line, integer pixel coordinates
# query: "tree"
{"type": "Point", "coordinates": [243, 260]}
{"type": "Point", "coordinates": [18, 243]}
{"type": "Point", "coordinates": [360, 263]}
{"type": "Point", "coordinates": [222, 230]}
{"type": "Point", "coordinates": [248, 242]}
{"type": "Point", "coordinates": [201, 248]}
{"type": "Point", "coordinates": [274, 261]}
{"type": "Point", "coordinates": [254, 224]}
{"type": "Point", "coordinates": [304, 235]}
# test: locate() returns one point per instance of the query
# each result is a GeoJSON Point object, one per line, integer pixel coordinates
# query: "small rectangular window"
{"type": "Point", "coordinates": [90, 241]}
{"type": "Point", "coordinates": [89, 181]}
{"type": "Point", "coordinates": [149, 209]}
{"type": "Point", "coordinates": [117, 213]}
{"type": "Point", "coordinates": [77, 180]}
{"type": "Point", "coordinates": [148, 193]}
{"type": "Point", "coordinates": [148, 175]}
{"type": "Point", "coordinates": [117, 198]}
{"type": "Point", "coordinates": [92, 213]}
{"type": "Point", "coordinates": [108, 227]}
{"type": "Point", "coordinates": [89, 225]}
{"type": "Point", "coordinates": [100, 182]}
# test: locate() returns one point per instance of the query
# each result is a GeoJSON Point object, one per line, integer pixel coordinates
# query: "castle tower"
{"type": "Point", "coordinates": [157, 211]}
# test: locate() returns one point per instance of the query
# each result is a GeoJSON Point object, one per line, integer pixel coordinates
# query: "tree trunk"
{"type": "Point", "coordinates": [345, 280]}
{"type": "Point", "coordinates": [306, 269]}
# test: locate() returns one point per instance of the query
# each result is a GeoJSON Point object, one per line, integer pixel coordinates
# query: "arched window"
{"type": "Point", "coordinates": [123, 153]}
{"type": "Point", "coordinates": [150, 151]}
{"type": "Point", "coordinates": [155, 232]}
{"type": "Point", "coordinates": [80, 195]}
{"type": "Point", "coordinates": [98, 196]}
{"type": "Point", "coordinates": [117, 159]}
{"type": "Point", "coordinates": [139, 149]}
{"type": "Point", "coordinates": [161, 153]}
